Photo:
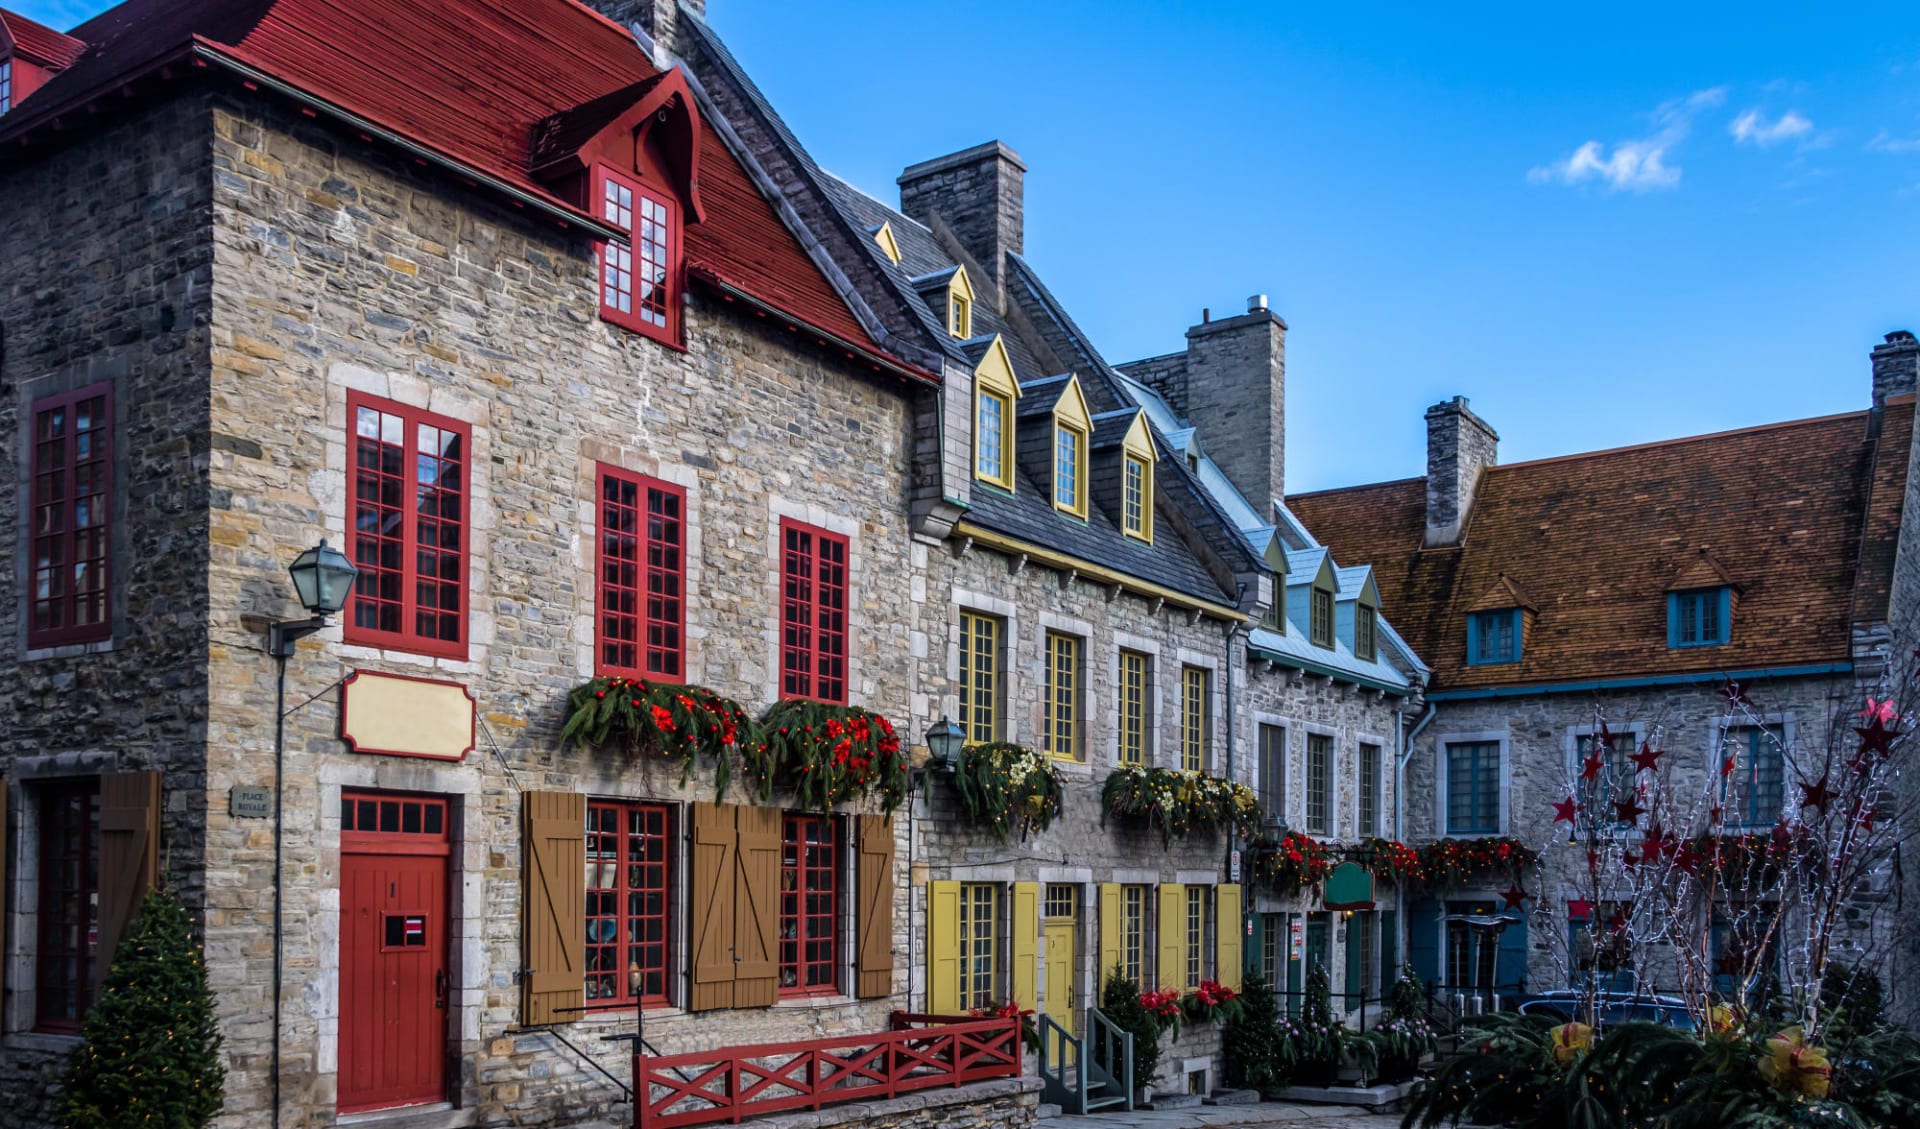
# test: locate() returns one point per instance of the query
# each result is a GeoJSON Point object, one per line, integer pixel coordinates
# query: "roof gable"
{"type": "Point", "coordinates": [1700, 571]}
{"type": "Point", "coordinates": [619, 129]}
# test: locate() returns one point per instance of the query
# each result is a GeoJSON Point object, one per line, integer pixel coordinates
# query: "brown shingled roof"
{"type": "Point", "coordinates": [1595, 540]}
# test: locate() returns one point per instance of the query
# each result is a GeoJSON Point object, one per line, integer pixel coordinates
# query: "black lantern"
{"type": "Point", "coordinates": [944, 741]}
{"type": "Point", "coordinates": [323, 577]}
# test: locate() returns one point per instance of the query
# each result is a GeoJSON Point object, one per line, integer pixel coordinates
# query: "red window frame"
{"type": "Point", "coordinates": [641, 566]}
{"type": "Point", "coordinates": [813, 613]}
{"type": "Point", "coordinates": [70, 485]}
{"type": "Point", "coordinates": [629, 907]}
{"type": "Point", "coordinates": [652, 222]}
{"type": "Point", "coordinates": [394, 580]}
{"type": "Point", "coordinates": [69, 904]}
{"type": "Point", "coordinates": [809, 905]}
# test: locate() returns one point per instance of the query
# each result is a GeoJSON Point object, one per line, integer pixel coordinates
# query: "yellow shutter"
{"type": "Point", "coordinates": [1112, 931]}
{"type": "Point", "coordinates": [943, 948]}
{"type": "Point", "coordinates": [1171, 969]}
{"type": "Point", "coordinates": [1024, 979]}
{"type": "Point", "coordinates": [1229, 936]}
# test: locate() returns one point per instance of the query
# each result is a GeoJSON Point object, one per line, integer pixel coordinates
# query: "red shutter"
{"type": "Point", "coordinates": [641, 627]}
{"type": "Point", "coordinates": [813, 613]}
{"type": "Point", "coordinates": [129, 856]}
{"type": "Point", "coordinates": [710, 906]}
{"type": "Point", "coordinates": [873, 910]}
{"type": "Point", "coordinates": [72, 500]}
{"type": "Point", "coordinates": [756, 922]}
{"type": "Point", "coordinates": [554, 907]}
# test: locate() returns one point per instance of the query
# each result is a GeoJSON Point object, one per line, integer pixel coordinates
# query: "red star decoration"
{"type": "Point", "coordinates": [1646, 758]}
{"type": "Point", "coordinates": [1735, 694]}
{"type": "Point", "coordinates": [1658, 843]}
{"type": "Point", "coordinates": [1580, 908]}
{"type": "Point", "coordinates": [1514, 895]}
{"type": "Point", "coordinates": [1726, 766]}
{"type": "Point", "coordinates": [1628, 860]}
{"type": "Point", "coordinates": [1817, 795]}
{"type": "Point", "coordinates": [1713, 814]}
{"type": "Point", "coordinates": [1686, 859]}
{"type": "Point", "coordinates": [1629, 810]}
{"type": "Point", "coordinates": [1879, 711]}
{"type": "Point", "coordinates": [1876, 737]}
{"type": "Point", "coordinates": [1590, 768]}
{"type": "Point", "coordinates": [1563, 811]}
{"type": "Point", "coordinates": [1605, 738]}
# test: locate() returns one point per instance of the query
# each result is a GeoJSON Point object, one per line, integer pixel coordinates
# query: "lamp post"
{"type": "Point", "coordinates": [944, 741]}
{"type": "Point", "coordinates": [323, 579]}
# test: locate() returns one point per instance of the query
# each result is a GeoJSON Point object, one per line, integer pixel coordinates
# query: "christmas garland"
{"type": "Point", "coordinates": [1004, 786]}
{"type": "Point", "coordinates": [1292, 863]}
{"type": "Point", "coordinates": [660, 719]}
{"type": "Point", "coordinates": [1212, 1000]}
{"type": "Point", "coordinates": [1181, 803]}
{"type": "Point", "coordinates": [1388, 860]}
{"type": "Point", "coordinates": [828, 754]}
{"type": "Point", "coordinates": [1452, 863]}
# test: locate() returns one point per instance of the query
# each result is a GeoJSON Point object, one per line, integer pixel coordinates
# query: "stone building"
{"type": "Point", "coordinates": [1728, 599]}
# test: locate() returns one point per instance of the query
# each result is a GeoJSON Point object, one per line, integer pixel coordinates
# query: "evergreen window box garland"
{"type": "Point", "coordinates": [1292, 863]}
{"type": "Point", "coordinates": [1006, 787]}
{"type": "Point", "coordinates": [1180, 803]}
{"type": "Point", "coordinates": [828, 754]}
{"type": "Point", "coordinates": [683, 723]}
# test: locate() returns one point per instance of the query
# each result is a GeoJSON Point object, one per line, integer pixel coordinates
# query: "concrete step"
{"type": "Point", "coordinates": [1174, 1101]}
{"type": "Point", "coordinates": [1046, 1109]}
{"type": "Point", "coordinates": [1096, 1104]}
{"type": "Point", "coordinates": [1233, 1097]}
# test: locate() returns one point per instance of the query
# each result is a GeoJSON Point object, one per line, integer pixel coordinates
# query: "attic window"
{"type": "Point", "coordinates": [639, 287]}
{"type": "Point", "coordinates": [1136, 495]}
{"type": "Point", "coordinates": [889, 246]}
{"type": "Point", "coordinates": [994, 393]}
{"type": "Point", "coordinates": [6, 85]}
{"type": "Point", "coordinates": [1365, 632]}
{"type": "Point", "coordinates": [960, 315]}
{"type": "Point", "coordinates": [1699, 617]}
{"type": "Point", "coordinates": [1320, 621]}
{"type": "Point", "coordinates": [1493, 637]}
{"type": "Point", "coordinates": [1069, 468]}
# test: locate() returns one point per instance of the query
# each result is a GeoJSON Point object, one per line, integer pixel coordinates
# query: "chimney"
{"type": "Point", "coordinates": [979, 194]}
{"type": "Point", "coordinates": [658, 18]}
{"type": "Point", "coordinates": [1896, 367]}
{"type": "Point", "coordinates": [1459, 446]}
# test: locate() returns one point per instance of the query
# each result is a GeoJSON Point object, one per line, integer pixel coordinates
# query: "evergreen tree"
{"type": "Point", "coordinates": [152, 1055]}
{"type": "Point", "coordinates": [1120, 1001]}
{"type": "Point", "coordinates": [1252, 1041]}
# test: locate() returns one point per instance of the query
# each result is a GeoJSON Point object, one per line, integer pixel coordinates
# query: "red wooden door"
{"type": "Point", "coordinates": [394, 993]}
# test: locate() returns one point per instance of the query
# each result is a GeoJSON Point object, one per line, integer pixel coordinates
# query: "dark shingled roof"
{"type": "Point", "coordinates": [1594, 542]}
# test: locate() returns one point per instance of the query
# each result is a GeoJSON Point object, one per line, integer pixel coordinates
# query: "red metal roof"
{"type": "Point", "coordinates": [467, 79]}
{"type": "Point", "coordinates": [39, 42]}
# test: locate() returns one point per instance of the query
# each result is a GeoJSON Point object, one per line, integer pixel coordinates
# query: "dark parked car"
{"type": "Point", "coordinates": [1565, 1004]}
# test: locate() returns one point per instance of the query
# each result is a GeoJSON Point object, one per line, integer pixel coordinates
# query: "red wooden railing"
{"type": "Point", "coordinates": [920, 1051]}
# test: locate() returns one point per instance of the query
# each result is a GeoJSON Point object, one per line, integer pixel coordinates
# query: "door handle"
{"type": "Point", "coordinates": [440, 988]}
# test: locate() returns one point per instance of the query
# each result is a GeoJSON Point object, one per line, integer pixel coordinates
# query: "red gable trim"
{"type": "Point", "coordinates": [37, 43]}
{"type": "Point", "coordinates": [660, 109]}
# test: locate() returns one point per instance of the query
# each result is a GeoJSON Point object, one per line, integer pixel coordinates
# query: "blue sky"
{"type": "Point", "coordinates": [1605, 226]}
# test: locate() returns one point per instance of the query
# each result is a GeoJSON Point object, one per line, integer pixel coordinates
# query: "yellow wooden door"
{"type": "Point", "coordinates": [1061, 965]}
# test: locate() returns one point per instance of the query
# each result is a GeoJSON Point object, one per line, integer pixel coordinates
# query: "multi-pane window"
{"type": "Point", "coordinates": [1320, 621]}
{"type": "Point", "coordinates": [72, 518]}
{"type": "Point", "coordinates": [990, 437]}
{"type": "Point", "coordinates": [69, 904]}
{"type": "Point", "coordinates": [1369, 789]}
{"type": "Point", "coordinates": [628, 907]}
{"type": "Point", "coordinates": [1136, 498]}
{"type": "Point", "coordinates": [959, 315]}
{"type": "Point", "coordinates": [1756, 788]}
{"type": "Point", "coordinates": [1473, 788]}
{"type": "Point", "coordinates": [1365, 629]}
{"type": "Point", "coordinates": [1060, 728]}
{"type": "Point", "coordinates": [1069, 452]}
{"type": "Point", "coordinates": [642, 576]}
{"type": "Point", "coordinates": [637, 274]}
{"type": "Point", "coordinates": [1133, 707]}
{"type": "Point", "coordinates": [1273, 773]}
{"type": "Point", "coordinates": [1196, 969]}
{"type": "Point", "coordinates": [809, 905]}
{"type": "Point", "coordinates": [1612, 783]}
{"type": "Point", "coordinates": [1275, 617]}
{"type": "Point", "coordinates": [1493, 637]}
{"type": "Point", "coordinates": [979, 902]}
{"type": "Point", "coordinates": [6, 85]}
{"type": "Point", "coordinates": [1363, 933]}
{"type": "Point", "coordinates": [408, 531]}
{"type": "Point", "coordinates": [1193, 719]}
{"type": "Point", "coordinates": [1133, 935]}
{"type": "Point", "coordinates": [979, 677]}
{"type": "Point", "coordinates": [1319, 784]}
{"type": "Point", "coordinates": [1273, 932]}
{"type": "Point", "coordinates": [1697, 618]}
{"type": "Point", "coordinates": [813, 613]}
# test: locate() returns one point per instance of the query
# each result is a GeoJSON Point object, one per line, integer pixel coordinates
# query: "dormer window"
{"type": "Point", "coordinates": [1136, 491]}
{"type": "Point", "coordinates": [1069, 468]}
{"type": "Point", "coordinates": [1365, 631]}
{"type": "Point", "coordinates": [6, 85]}
{"type": "Point", "coordinates": [1699, 617]}
{"type": "Point", "coordinates": [960, 315]}
{"type": "Point", "coordinates": [639, 288]}
{"type": "Point", "coordinates": [1493, 637]}
{"type": "Point", "coordinates": [994, 392]}
{"type": "Point", "coordinates": [1320, 618]}
{"type": "Point", "coordinates": [889, 246]}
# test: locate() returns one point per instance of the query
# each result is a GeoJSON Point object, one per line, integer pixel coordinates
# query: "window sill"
{"type": "Point", "coordinates": [49, 1041]}
{"type": "Point", "coordinates": [625, 1010]}
{"type": "Point", "coordinates": [39, 651]}
{"type": "Point", "coordinates": [830, 999]}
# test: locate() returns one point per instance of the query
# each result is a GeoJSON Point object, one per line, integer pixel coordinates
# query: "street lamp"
{"type": "Point", "coordinates": [323, 579]}
{"type": "Point", "coordinates": [944, 740]}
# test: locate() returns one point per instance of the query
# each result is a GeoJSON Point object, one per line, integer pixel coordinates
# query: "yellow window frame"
{"type": "Point", "coordinates": [1061, 726]}
{"type": "Point", "coordinates": [1193, 719]}
{"type": "Point", "coordinates": [1196, 969]}
{"type": "Point", "coordinates": [980, 677]}
{"type": "Point", "coordinates": [1136, 481]}
{"type": "Point", "coordinates": [1133, 938]}
{"type": "Point", "coordinates": [979, 921]}
{"type": "Point", "coordinates": [1133, 707]}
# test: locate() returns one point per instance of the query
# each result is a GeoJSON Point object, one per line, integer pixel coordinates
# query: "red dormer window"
{"type": "Point", "coordinates": [6, 85]}
{"type": "Point", "coordinates": [639, 277]}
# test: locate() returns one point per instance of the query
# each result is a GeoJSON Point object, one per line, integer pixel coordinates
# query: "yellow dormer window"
{"type": "Point", "coordinates": [994, 392]}
{"type": "Point", "coordinates": [1136, 482]}
{"type": "Point", "coordinates": [960, 304]}
{"type": "Point", "coordinates": [889, 246]}
{"type": "Point", "coordinates": [1072, 425]}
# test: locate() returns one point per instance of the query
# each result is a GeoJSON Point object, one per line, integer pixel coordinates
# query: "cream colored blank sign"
{"type": "Point", "coordinates": [406, 717]}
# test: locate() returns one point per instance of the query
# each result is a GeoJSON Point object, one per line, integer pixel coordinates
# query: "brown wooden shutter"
{"type": "Point", "coordinates": [710, 907]}
{"type": "Point", "coordinates": [873, 911]}
{"type": "Point", "coordinates": [756, 908]}
{"type": "Point", "coordinates": [129, 855]}
{"type": "Point", "coordinates": [554, 907]}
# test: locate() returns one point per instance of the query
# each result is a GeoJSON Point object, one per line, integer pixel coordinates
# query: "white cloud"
{"type": "Point", "coordinates": [1884, 142]}
{"type": "Point", "coordinates": [1751, 128]}
{"type": "Point", "coordinates": [1639, 164]}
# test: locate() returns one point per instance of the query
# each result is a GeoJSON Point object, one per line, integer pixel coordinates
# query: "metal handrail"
{"type": "Point", "coordinates": [1116, 1048]}
{"type": "Point", "coordinates": [1056, 1086]}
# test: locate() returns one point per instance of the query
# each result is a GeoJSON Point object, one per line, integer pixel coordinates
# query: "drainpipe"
{"type": "Point", "coordinates": [1401, 757]}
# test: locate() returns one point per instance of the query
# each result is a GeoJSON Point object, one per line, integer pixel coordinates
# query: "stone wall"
{"type": "Point", "coordinates": [339, 269]}
{"type": "Point", "coordinates": [108, 262]}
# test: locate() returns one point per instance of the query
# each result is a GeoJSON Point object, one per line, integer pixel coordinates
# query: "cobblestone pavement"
{"type": "Point", "coordinates": [1277, 1114]}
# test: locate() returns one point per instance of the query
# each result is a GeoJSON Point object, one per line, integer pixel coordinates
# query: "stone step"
{"type": "Point", "coordinates": [1174, 1101]}
{"type": "Point", "coordinates": [1046, 1109]}
{"type": "Point", "coordinates": [1233, 1097]}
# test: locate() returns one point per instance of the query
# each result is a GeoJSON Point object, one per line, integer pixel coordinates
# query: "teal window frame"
{"type": "Point", "coordinates": [1478, 624]}
{"type": "Point", "coordinates": [1320, 617]}
{"type": "Point", "coordinates": [1366, 633]}
{"type": "Point", "coordinates": [1700, 617]}
{"type": "Point", "coordinates": [1480, 812]}
{"type": "Point", "coordinates": [1760, 796]}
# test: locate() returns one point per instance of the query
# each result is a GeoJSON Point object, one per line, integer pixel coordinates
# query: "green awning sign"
{"type": "Point", "coordinates": [1349, 887]}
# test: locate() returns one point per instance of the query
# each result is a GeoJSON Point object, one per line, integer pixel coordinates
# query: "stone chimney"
{"type": "Point", "coordinates": [1896, 367]}
{"type": "Point", "coordinates": [658, 18]}
{"type": "Point", "coordinates": [1236, 397]}
{"type": "Point", "coordinates": [1459, 446]}
{"type": "Point", "coordinates": [979, 194]}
